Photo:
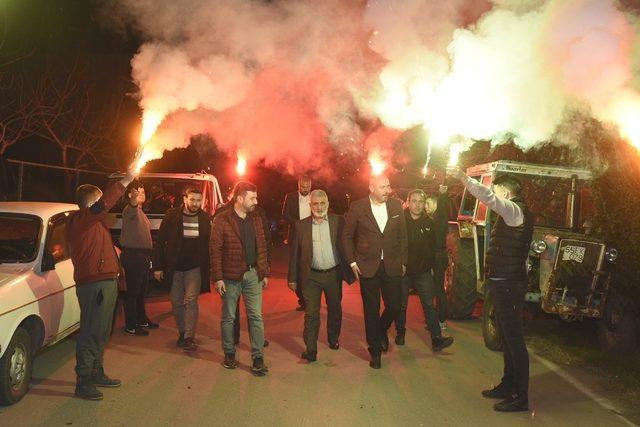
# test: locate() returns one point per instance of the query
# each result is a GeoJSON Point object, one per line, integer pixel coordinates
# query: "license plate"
{"type": "Point", "coordinates": [573, 253]}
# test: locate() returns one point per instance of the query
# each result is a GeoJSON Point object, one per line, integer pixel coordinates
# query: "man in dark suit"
{"type": "Point", "coordinates": [375, 246]}
{"type": "Point", "coordinates": [296, 207]}
{"type": "Point", "coordinates": [315, 266]}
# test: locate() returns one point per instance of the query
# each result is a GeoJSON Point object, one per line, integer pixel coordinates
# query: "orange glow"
{"type": "Point", "coordinates": [454, 154]}
{"type": "Point", "coordinates": [625, 113]}
{"type": "Point", "coordinates": [241, 166]}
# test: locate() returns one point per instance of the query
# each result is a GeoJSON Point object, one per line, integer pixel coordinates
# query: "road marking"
{"type": "Point", "coordinates": [583, 388]}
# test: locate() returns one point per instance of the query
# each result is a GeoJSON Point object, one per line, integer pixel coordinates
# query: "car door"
{"type": "Point", "coordinates": [64, 310]}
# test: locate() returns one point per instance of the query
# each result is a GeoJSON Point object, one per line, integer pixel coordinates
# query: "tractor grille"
{"type": "Point", "coordinates": [578, 285]}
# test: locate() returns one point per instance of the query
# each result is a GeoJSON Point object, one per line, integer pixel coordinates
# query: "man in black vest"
{"type": "Point", "coordinates": [506, 271]}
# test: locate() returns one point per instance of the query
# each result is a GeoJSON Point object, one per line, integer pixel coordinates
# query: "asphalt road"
{"type": "Point", "coordinates": [163, 386]}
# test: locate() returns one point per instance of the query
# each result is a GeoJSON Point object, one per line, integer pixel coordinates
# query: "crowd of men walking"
{"type": "Point", "coordinates": [388, 248]}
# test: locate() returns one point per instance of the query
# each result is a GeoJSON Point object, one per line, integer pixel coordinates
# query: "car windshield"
{"type": "Point", "coordinates": [18, 237]}
{"type": "Point", "coordinates": [162, 194]}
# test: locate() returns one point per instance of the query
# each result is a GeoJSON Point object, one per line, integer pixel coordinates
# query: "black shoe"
{"type": "Point", "coordinates": [85, 389]}
{"type": "Point", "coordinates": [266, 343]}
{"type": "Point", "coordinates": [376, 362]}
{"type": "Point", "coordinates": [440, 343]}
{"type": "Point", "coordinates": [500, 391]}
{"type": "Point", "coordinates": [189, 345]}
{"type": "Point", "coordinates": [334, 345]}
{"type": "Point", "coordinates": [384, 342]}
{"type": "Point", "coordinates": [180, 342]}
{"type": "Point", "coordinates": [99, 379]}
{"type": "Point", "coordinates": [300, 308]}
{"type": "Point", "coordinates": [309, 356]}
{"type": "Point", "coordinates": [514, 403]}
{"type": "Point", "coordinates": [149, 325]}
{"type": "Point", "coordinates": [230, 361]}
{"type": "Point", "coordinates": [400, 338]}
{"type": "Point", "coordinates": [136, 331]}
{"type": "Point", "coordinates": [258, 368]}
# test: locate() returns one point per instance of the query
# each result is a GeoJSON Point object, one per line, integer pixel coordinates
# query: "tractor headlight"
{"type": "Point", "coordinates": [538, 246]}
{"type": "Point", "coordinates": [611, 254]}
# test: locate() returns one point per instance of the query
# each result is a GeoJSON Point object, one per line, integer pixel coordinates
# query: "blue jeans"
{"type": "Point", "coordinates": [424, 284]}
{"type": "Point", "coordinates": [250, 288]}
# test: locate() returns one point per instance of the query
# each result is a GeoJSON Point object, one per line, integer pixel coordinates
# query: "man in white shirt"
{"type": "Point", "coordinates": [375, 246]}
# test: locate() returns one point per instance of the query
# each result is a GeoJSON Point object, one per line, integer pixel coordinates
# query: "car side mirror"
{"type": "Point", "coordinates": [48, 262]}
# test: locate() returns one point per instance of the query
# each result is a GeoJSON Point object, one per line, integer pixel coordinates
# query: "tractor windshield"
{"type": "Point", "coordinates": [549, 199]}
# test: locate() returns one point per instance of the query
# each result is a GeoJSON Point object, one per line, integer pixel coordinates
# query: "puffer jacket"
{"type": "Point", "coordinates": [225, 248]}
{"type": "Point", "coordinates": [89, 240]}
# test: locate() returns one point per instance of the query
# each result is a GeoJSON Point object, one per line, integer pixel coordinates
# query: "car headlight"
{"type": "Point", "coordinates": [538, 246]}
{"type": "Point", "coordinates": [611, 254]}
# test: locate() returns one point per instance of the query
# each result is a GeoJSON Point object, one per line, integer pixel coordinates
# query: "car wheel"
{"type": "Point", "coordinates": [460, 277]}
{"type": "Point", "coordinates": [15, 368]}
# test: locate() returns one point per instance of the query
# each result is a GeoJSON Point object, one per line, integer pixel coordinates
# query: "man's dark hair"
{"type": "Point", "coordinates": [304, 178]}
{"type": "Point", "coordinates": [84, 193]}
{"type": "Point", "coordinates": [241, 188]}
{"type": "Point", "coordinates": [510, 183]}
{"type": "Point", "coordinates": [192, 190]}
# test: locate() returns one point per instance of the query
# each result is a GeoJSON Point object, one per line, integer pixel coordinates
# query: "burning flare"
{"type": "Point", "coordinates": [150, 122]}
{"type": "Point", "coordinates": [377, 165]}
{"type": "Point", "coordinates": [241, 166]}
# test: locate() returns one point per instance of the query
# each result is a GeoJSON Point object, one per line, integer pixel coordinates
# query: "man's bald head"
{"type": "Point", "coordinates": [379, 188]}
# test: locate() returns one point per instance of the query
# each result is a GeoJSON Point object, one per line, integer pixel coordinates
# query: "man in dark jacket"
{"type": "Point", "coordinates": [96, 268]}
{"type": "Point", "coordinates": [420, 236]}
{"type": "Point", "coordinates": [181, 258]}
{"type": "Point", "coordinates": [315, 265]}
{"type": "Point", "coordinates": [506, 272]}
{"type": "Point", "coordinates": [294, 208]}
{"type": "Point", "coordinates": [375, 246]}
{"type": "Point", "coordinates": [436, 208]}
{"type": "Point", "coordinates": [239, 266]}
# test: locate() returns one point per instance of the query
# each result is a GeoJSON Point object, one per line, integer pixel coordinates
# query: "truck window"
{"type": "Point", "coordinates": [546, 198]}
{"type": "Point", "coordinates": [481, 214]}
{"type": "Point", "coordinates": [468, 204]}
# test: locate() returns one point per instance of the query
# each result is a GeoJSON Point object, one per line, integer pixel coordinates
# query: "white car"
{"type": "Point", "coordinates": [38, 303]}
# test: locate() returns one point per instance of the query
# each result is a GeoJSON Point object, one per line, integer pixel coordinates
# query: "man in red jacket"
{"type": "Point", "coordinates": [96, 268]}
{"type": "Point", "coordinates": [239, 266]}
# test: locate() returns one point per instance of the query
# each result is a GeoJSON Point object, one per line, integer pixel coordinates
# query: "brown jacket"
{"type": "Point", "coordinates": [364, 242]}
{"type": "Point", "coordinates": [301, 256]}
{"type": "Point", "coordinates": [226, 251]}
{"type": "Point", "coordinates": [89, 240]}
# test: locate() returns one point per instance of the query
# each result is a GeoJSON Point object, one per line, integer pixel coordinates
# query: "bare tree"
{"type": "Point", "coordinates": [75, 120]}
{"type": "Point", "coordinates": [18, 111]}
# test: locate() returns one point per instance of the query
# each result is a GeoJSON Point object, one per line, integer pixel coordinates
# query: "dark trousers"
{"type": "Point", "coordinates": [97, 302]}
{"type": "Point", "coordinates": [508, 297]}
{"type": "Point", "coordinates": [290, 239]}
{"type": "Point", "coordinates": [330, 284]}
{"type": "Point", "coordinates": [439, 269]}
{"type": "Point", "coordinates": [376, 325]}
{"type": "Point", "coordinates": [135, 263]}
{"type": "Point", "coordinates": [423, 283]}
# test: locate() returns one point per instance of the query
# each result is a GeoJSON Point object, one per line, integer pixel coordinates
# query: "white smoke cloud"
{"type": "Point", "coordinates": [290, 82]}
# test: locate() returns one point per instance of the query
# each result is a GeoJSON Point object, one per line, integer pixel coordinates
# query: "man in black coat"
{"type": "Point", "coordinates": [316, 266]}
{"type": "Point", "coordinates": [181, 259]}
{"type": "Point", "coordinates": [375, 246]}
{"type": "Point", "coordinates": [506, 273]}
{"type": "Point", "coordinates": [297, 206]}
